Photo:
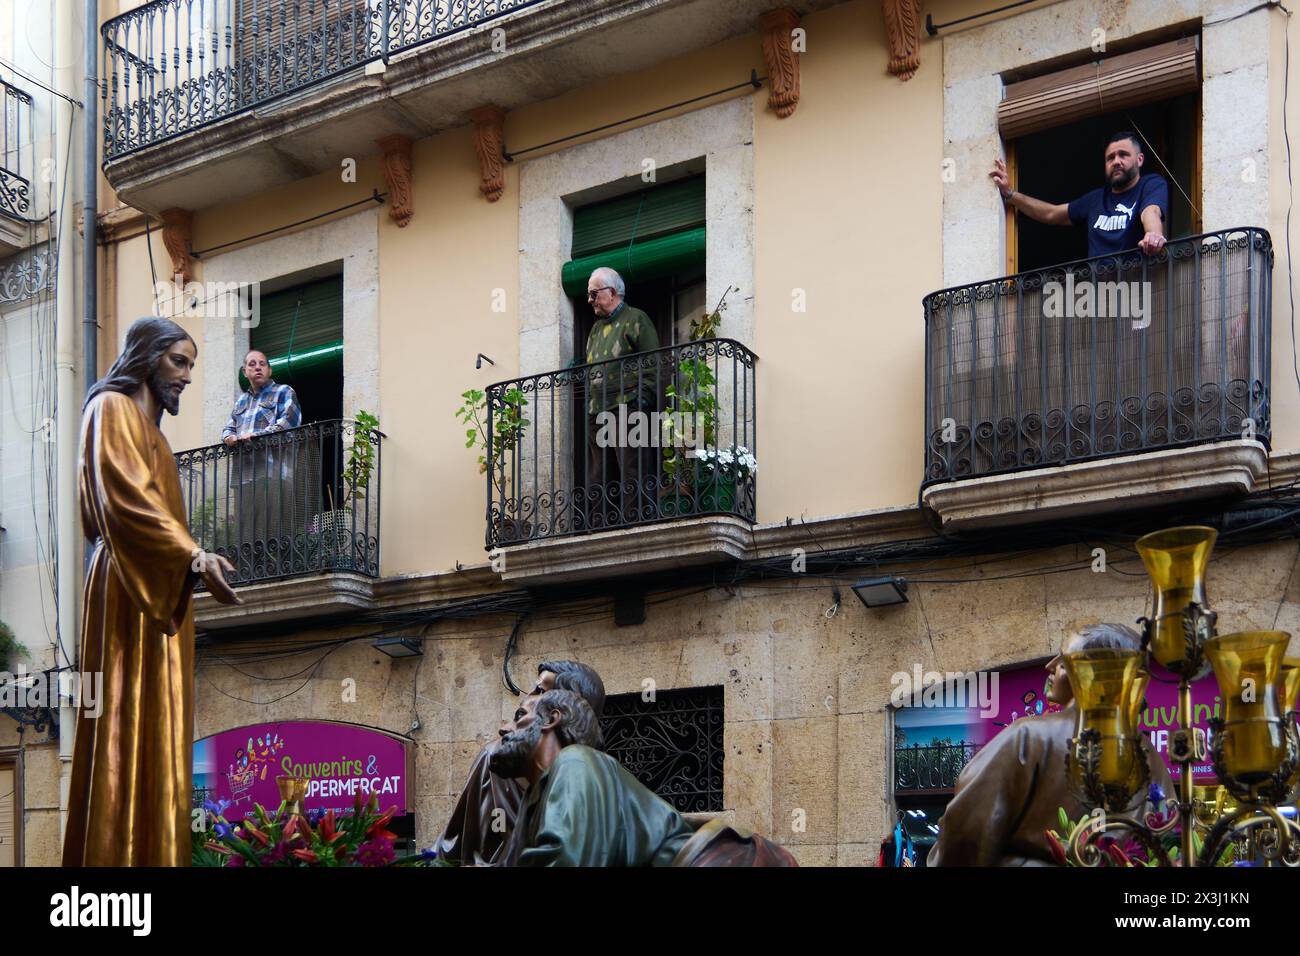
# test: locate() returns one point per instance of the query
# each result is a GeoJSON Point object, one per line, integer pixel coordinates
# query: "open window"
{"type": "Point", "coordinates": [1056, 125]}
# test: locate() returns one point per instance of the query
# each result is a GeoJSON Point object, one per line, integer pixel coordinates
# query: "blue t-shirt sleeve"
{"type": "Point", "coordinates": [1081, 208]}
{"type": "Point", "coordinates": [1156, 194]}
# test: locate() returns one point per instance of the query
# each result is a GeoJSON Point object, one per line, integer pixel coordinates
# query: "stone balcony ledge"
{"type": "Point", "coordinates": [1121, 483]}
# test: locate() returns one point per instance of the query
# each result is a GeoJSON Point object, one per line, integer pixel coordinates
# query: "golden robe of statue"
{"type": "Point", "coordinates": [132, 767]}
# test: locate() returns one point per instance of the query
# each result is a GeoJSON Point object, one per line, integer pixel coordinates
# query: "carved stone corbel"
{"type": "Point", "coordinates": [903, 26]}
{"type": "Point", "coordinates": [489, 135]}
{"type": "Point", "coordinates": [782, 60]}
{"type": "Point", "coordinates": [178, 227]}
{"type": "Point", "coordinates": [397, 174]}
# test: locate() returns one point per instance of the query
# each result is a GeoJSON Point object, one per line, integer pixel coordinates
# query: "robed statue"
{"type": "Point", "coordinates": [581, 807]}
{"type": "Point", "coordinates": [130, 792]}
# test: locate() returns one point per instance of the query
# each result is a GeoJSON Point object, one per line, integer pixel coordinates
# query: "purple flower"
{"type": "Point", "coordinates": [216, 809]}
{"type": "Point", "coordinates": [376, 853]}
{"type": "Point", "coordinates": [223, 830]}
{"type": "Point", "coordinates": [235, 859]}
{"type": "Point", "coordinates": [315, 816]}
{"type": "Point", "coordinates": [1156, 794]}
{"type": "Point", "coordinates": [277, 854]}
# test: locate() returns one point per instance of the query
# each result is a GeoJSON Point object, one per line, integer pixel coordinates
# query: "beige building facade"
{"type": "Point", "coordinates": [837, 195]}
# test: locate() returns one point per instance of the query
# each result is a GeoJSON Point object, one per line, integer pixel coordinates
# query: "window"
{"type": "Point", "coordinates": [300, 329]}
{"type": "Point", "coordinates": [1056, 126]}
{"type": "Point", "coordinates": [672, 744]}
{"type": "Point", "coordinates": [654, 238]}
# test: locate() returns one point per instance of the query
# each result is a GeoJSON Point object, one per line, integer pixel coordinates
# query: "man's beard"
{"type": "Point", "coordinates": [511, 757]}
{"type": "Point", "coordinates": [1123, 178]}
{"type": "Point", "coordinates": [166, 393]}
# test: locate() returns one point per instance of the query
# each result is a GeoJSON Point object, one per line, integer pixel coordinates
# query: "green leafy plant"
{"type": "Point", "coordinates": [361, 457]}
{"type": "Point", "coordinates": [508, 426]}
{"type": "Point", "coordinates": [692, 396]}
{"type": "Point", "coordinates": [10, 647]}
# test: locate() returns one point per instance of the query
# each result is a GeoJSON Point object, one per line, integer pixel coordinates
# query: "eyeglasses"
{"type": "Point", "coordinates": [591, 295]}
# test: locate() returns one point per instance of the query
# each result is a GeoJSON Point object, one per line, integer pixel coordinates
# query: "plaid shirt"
{"type": "Point", "coordinates": [273, 409]}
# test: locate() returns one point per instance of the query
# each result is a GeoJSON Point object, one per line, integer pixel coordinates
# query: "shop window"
{"type": "Point", "coordinates": [672, 744]}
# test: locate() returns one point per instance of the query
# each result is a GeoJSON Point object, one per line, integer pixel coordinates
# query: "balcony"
{"type": "Point", "coordinates": [1103, 384]}
{"type": "Point", "coordinates": [288, 504]}
{"type": "Point", "coordinates": [930, 768]}
{"type": "Point", "coordinates": [15, 169]}
{"type": "Point", "coordinates": [208, 101]}
{"type": "Point", "coordinates": [640, 463]}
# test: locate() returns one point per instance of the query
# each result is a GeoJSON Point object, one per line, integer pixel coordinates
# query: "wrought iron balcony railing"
{"type": "Point", "coordinates": [652, 436]}
{"type": "Point", "coordinates": [931, 767]}
{"type": "Point", "coordinates": [16, 159]}
{"type": "Point", "coordinates": [173, 66]}
{"type": "Point", "coordinates": [1105, 356]}
{"type": "Point", "coordinates": [288, 503]}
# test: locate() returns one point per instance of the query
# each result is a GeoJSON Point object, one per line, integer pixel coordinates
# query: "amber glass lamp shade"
{"type": "Point", "coordinates": [1139, 694]}
{"type": "Point", "coordinates": [1103, 682]}
{"type": "Point", "coordinates": [1248, 667]}
{"type": "Point", "coordinates": [1175, 559]}
{"type": "Point", "coordinates": [1290, 688]}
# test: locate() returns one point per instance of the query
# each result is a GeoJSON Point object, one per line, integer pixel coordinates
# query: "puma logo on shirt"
{"type": "Point", "coordinates": [1112, 223]}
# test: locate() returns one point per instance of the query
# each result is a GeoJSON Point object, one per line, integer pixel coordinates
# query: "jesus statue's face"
{"type": "Point", "coordinates": [172, 374]}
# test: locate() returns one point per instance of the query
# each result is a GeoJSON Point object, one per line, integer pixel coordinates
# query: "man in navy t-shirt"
{"type": "Point", "coordinates": [1129, 211]}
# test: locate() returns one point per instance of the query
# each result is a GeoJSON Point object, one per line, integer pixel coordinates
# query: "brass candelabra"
{"type": "Point", "coordinates": [1254, 746]}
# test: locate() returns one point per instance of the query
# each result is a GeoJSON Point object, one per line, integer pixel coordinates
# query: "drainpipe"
{"type": "Point", "coordinates": [90, 203]}
{"type": "Point", "coordinates": [68, 418]}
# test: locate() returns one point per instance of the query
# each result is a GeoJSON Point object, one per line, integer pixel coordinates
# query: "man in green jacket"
{"type": "Point", "coordinates": [620, 463]}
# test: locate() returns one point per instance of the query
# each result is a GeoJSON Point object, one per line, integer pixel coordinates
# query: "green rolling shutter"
{"type": "Point", "coordinates": [644, 235]}
{"type": "Point", "coordinates": [300, 329]}
{"type": "Point", "coordinates": [678, 252]}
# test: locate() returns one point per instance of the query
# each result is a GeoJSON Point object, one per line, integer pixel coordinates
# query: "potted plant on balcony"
{"type": "Point", "coordinates": [508, 426]}
{"type": "Point", "coordinates": [723, 474]}
{"type": "Point", "coordinates": [333, 528]}
{"type": "Point", "coordinates": [692, 397]}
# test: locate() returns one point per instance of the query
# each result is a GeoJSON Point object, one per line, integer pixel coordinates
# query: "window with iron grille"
{"type": "Point", "coordinates": [672, 744]}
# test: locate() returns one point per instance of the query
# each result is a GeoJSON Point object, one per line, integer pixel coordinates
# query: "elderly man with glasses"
{"type": "Point", "coordinates": [620, 464]}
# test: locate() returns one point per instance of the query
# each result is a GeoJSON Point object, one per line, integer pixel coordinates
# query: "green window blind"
{"type": "Point", "coordinates": [301, 328]}
{"type": "Point", "coordinates": [644, 235]}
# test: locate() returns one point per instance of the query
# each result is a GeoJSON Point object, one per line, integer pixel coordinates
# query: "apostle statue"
{"type": "Point", "coordinates": [583, 808]}
{"type": "Point", "coordinates": [484, 815]}
{"type": "Point", "coordinates": [1012, 792]}
{"type": "Point", "coordinates": [130, 792]}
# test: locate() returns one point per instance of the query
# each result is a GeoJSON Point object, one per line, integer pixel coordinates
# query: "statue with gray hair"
{"type": "Point", "coordinates": [583, 808]}
{"type": "Point", "coordinates": [484, 815]}
{"type": "Point", "coordinates": [1012, 791]}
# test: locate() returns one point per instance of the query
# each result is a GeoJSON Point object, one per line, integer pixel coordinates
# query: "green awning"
{"type": "Point", "coordinates": [653, 259]}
